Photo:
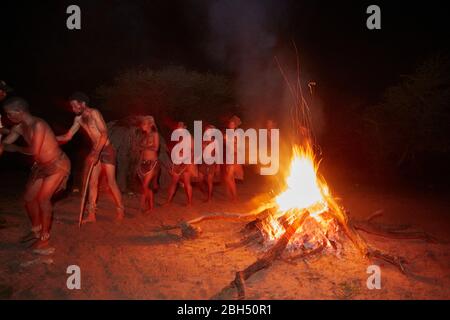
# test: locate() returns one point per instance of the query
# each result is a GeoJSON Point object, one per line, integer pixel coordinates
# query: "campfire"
{"type": "Point", "coordinates": [305, 193]}
{"type": "Point", "coordinates": [304, 219]}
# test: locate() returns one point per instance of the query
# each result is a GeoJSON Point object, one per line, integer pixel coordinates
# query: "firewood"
{"type": "Point", "coordinates": [247, 240]}
{"type": "Point", "coordinates": [394, 260]}
{"type": "Point", "coordinates": [361, 244]}
{"type": "Point", "coordinates": [305, 254]}
{"type": "Point", "coordinates": [267, 258]}
{"type": "Point", "coordinates": [239, 282]}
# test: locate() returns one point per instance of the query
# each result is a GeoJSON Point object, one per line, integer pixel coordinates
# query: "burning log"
{"type": "Point", "coordinates": [304, 255]}
{"type": "Point", "coordinates": [247, 240]}
{"type": "Point", "coordinates": [361, 244]}
{"type": "Point", "coordinates": [267, 259]}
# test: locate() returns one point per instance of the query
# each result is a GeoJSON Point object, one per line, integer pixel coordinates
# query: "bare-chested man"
{"type": "Point", "coordinates": [49, 172]}
{"type": "Point", "coordinates": [102, 156]}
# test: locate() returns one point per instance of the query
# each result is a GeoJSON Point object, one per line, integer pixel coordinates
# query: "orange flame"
{"type": "Point", "coordinates": [304, 190]}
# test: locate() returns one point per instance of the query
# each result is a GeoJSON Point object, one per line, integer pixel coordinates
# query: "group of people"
{"type": "Point", "coordinates": [185, 172]}
{"type": "Point", "coordinates": [52, 167]}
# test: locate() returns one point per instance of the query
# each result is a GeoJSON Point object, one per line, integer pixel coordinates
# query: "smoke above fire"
{"type": "Point", "coordinates": [245, 37]}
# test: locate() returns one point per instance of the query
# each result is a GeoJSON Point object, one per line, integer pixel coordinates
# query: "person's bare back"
{"type": "Point", "coordinates": [48, 174]}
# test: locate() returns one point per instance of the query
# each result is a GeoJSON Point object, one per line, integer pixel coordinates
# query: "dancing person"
{"type": "Point", "coordinates": [183, 172]}
{"type": "Point", "coordinates": [102, 157]}
{"type": "Point", "coordinates": [233, 171]}
{"type": "Point", "coordinates": [49, 173]}
{"type": "Point", "coordinates": [208, 168]}
{"type": "Point", "coordinates": [148, 167]}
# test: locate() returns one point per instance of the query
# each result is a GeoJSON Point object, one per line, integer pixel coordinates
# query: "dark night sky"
{"type": "Point", "coordinates": [45, 62]}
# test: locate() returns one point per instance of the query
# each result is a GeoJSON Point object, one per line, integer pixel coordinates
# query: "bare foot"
{"type": "Point", "coordinates": [165, 204]}
{"type": "Point", "coordinates": [29, 236]}
{"type": "Point", "coordinates": [40, 244]}
{"type": "Point", "coordinates": [120, 214]}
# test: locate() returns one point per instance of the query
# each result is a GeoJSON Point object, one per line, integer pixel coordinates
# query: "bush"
{"type": "Point", "coordinates": [410, 126]}
{"type": "Point", "coordinates": [172, 93]}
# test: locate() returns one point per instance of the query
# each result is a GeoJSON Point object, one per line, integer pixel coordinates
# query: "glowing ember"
{"type": "Point", "coordinates": [304, 190]}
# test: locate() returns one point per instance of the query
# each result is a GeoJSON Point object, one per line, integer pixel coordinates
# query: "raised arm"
{"type": "Point", "coordinates": [69, 134]}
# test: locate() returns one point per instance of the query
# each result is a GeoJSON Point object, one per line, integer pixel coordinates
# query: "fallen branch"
{"type": "Point", "coordinates": [214, 216]}
{"type": "Point", "coordinates": [377, 230]}
{"type": "Point", "coordinates": [360, 243]}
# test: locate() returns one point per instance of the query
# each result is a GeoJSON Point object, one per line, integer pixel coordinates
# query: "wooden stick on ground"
{"type": "Point", "coordinates": [266, 260]}
{"type": "Point", "coordinates": [377, 230]}
{"type": "Point", "coordinates": [213, 216]}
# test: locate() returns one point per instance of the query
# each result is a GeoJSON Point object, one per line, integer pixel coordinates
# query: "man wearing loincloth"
{"type": "Point", "coordinates": [49, 173]}
{"type": "Point", "coordinates": [102, 157]}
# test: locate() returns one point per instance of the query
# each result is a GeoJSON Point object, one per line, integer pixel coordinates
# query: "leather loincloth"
{"type": "Point", "coordinates": [146, 167]}
{"type": "Point", "coordinates": [108, 155]}
{"type": "Point", "coordinates": [179, 169]}
{"type": "Point", "coordinates": [61, 164]}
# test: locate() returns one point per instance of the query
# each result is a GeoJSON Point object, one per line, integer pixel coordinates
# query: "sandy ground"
{"type": "Point", "coordinates": [128, 261]}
